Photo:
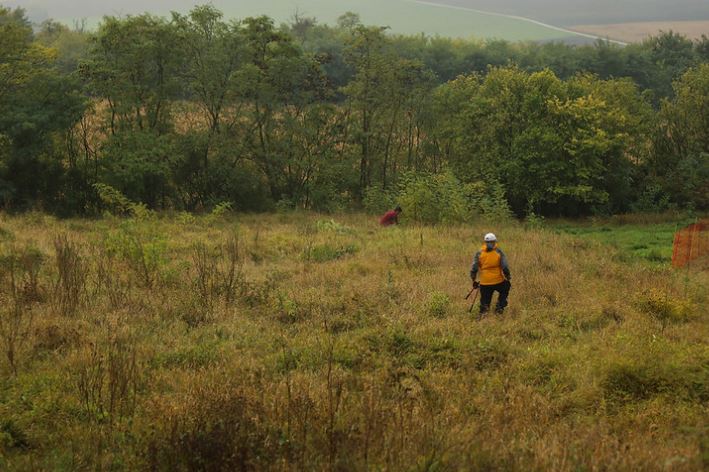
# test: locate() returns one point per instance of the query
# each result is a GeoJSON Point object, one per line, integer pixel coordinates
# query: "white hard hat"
{"type": "Point", "coordinates": [489, 237]}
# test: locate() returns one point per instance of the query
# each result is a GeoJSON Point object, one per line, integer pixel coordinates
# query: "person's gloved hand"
{"type": "Point", "coordinates": [476, 284]}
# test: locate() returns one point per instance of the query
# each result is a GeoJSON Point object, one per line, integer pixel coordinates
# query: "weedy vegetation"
{"type": "Point", "coordinates": [299, 342]}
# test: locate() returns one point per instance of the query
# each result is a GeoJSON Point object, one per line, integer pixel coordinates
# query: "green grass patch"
{"type": "Point", "coordinates": [651, 243]}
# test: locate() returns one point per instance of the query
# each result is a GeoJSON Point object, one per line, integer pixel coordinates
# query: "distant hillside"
{"type": "Point", "coordinates": [577, 12]}
{"type": "Point", "coordinates": [638, 31]}
{"type": "Point", "coordinates": [403, 16]}
{"type": "Point", "coordinates": [505, 19]}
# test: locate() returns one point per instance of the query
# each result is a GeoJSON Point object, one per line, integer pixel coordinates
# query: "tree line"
{"type": "Point", "coordinates": [196, 110]}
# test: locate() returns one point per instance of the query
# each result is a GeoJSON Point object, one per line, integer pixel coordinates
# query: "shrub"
{"type": "Point", "coordinates": [326, 252]}
{"type": "Point", "coordinates": [288, 309]}
{"type": "Point", "coordinates": [488, 199]}
{"type": "Point", "coordinates": [633, 381]}
{"type": "Point", "coordinates": [332, 226]}
{"type": "Point", "coordinates": [144, 250]}
{"type": "Point", "coordinates": [488, 355]}
{"type": "Point", "coordinates": [12, 436]}
{"type": "Point", "coordinates": [663, 307]}
{"type": "Point", "coordinates": [111, 280]}
{"type": "Point", "coordinates": [186, 218]}
{"type": "Point", "coordinates": [220, 211]}
{"type": "Point", "coordinates": [117, 204]}
{"type": "Point", "coordinates": [205, 280]}
{"type": "Point", "coordinates": [72, 271]}
{"type": "Point", "coordinates": [217, 426]}
{"type": "Point", "coordinates": [201, 355]}
{"type": "Point", "coordinates": [652, 200]}
{"type": "Point", "coordinates": [533, 221]}
{"type": "Point", "coordinates": [438, 304]}
{"type": "Point", "coordinates": [19, 290]}
{"type": "Point", "coordinates": [376, 200]}
{"type": "Point", "coordinates": [628, 382]}
{"type": "Point", "coordinates": [6, 234]}
{"type": "Point", "coordinates": [113, 200]}
{"type": "Point", "coordinates": [218, 274]}
{"type": "Point", "coordinates": [107, 375]}
{"type": "Point", "coordinates": [138, 165]}
{"type": "Point", "coordinates": [285, 205]}
{"type": "Point", "coordinates": [399, 343]}
{"type": "Point", "coordinates": [433, 198]}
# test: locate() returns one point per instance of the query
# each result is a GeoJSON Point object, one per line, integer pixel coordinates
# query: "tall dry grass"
{"type": "Point", "coordinates": [291, 342]}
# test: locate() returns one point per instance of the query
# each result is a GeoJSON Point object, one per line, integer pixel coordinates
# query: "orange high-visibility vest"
{"type": "Point", "coordinates": [490, 267]}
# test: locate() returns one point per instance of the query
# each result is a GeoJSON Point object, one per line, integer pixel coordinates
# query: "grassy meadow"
{"type": "Point", "coordinates": [633, 240]}
{"type": "Point", "coordinates": [301, 342]}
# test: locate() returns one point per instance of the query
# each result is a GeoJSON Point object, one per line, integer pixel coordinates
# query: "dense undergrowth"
{"type": "Point", "coordinates": [295, 342]}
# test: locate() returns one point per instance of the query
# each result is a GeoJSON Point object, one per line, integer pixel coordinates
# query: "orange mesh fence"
{"type": "Point", "coordinates": [690, 243]}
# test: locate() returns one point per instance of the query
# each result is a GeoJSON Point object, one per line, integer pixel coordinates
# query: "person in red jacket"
{"type": "Point", "coordinates": [391, 217]}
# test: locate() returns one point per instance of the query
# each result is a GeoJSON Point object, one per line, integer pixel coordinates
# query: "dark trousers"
{"type": "Point", "coordinates": [486, 292]}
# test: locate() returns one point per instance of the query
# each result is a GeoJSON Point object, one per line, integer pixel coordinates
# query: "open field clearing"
{"type": "Point", "coordinates": [299, 342]}
{"type": "Point", "coordinates": [637, 32]}
{"type": "Point", "coordinates": [634, 241]}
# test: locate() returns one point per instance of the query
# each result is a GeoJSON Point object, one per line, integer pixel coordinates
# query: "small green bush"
{"type": "Point", "coordinates": [433, 198]}
{"type": "Point", "coordinates": [113, 200]}
{"type": "Point", "coordinates": [488, 199]}
{"type": "Point", "coordinates": [438, 304]}
{"type": "Point", "coordinates": [663, 307]}
{"type": "Point", "coordinates": [399, 343]}
{"type": "Point", "coordinates": [487, 355]}
{"type": "Point", "coordinates": [217, 426]}
{"type": "Point", "coordinates": [191, 357]}
{"type": "Point", "coordinates": [626, 382]}
{"type": "Point", "coordinates": [185, 218]}
{"type": "Point", "coordinates": [377, 200]}
{"type": "Point", "coordinates": [6, 234]}
{"type": "Point", "coordinates": [220, 211]}
{"type": "Point", "coordinates": [325, 252]}
{"type": "Point", "coordinates": [142, 248]}
{"type": "Point", "coordinates": [332, 226]}
{"type": "Point", "coordinates": [12, 436]}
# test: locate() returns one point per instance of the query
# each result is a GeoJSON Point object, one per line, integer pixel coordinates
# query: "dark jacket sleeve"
{"type": "Point", "coordinates": [476, 266]}
{"type": "Point", "coordinates": [505, 265]}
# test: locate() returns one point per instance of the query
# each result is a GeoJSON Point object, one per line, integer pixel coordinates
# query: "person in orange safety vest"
{"type": "Point", "coordinates": [491, 263]}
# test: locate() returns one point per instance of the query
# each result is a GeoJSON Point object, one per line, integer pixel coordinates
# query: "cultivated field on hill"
{"type": "Point", "coordinates": [637, 32]}
{"type": "Point", "coordinates": [576, 12]}
{"type": "Point", "coordinates": [302, 342]}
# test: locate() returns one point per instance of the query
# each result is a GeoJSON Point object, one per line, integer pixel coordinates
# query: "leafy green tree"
{"type": "Point", "coordinates": [670, 54]}
{"type": "Point", "coordinates": [133, 65]}
{"type": "Point", "coordinates": [279, 83]}
{"type": "Point", "coordinates": [71, 45]}
{"type": "Point", "coordinates": [680, 160]}
{"type": "Point", "coordinates": [557, 147]}
{"type": "Point", "coordinates": [38, 105]}
{"type": "Point", "coordinates": [139, 165]}
{"type": "Point", "coordinates": [385, 91]}
{"type": "Point", "coordinates": [215, 50]}
{"type": "Point", "coordinates": [367, 52]}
